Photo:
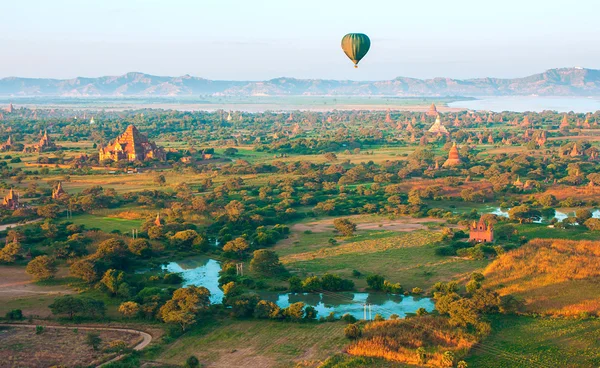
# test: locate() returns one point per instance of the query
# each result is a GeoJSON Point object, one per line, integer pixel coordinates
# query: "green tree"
{"type": "Point", "coordinates": [42, 268]}
{"type": "Point", "coordinates": [84, 269]}
{"type": "Point", "coordinates": [352, 331]}
{"type": "Point", "coordinates": [93, 340]}
{"type": "Point", "coordinates": [523, 214]}
{"type": "Point", "coordinates": [295, 312]}
{"type": "Point", "coordinates": [9, 253]}
{"type": "Point", "coordinates": [112, 280]}
{"type": "Point", "coordinates": [375, 282]}
{"type": "Point", "coordinates": [592, 224]}
{"type": "Point", "coordinates": [66, 304]}
{"type": "Point", "coordinates": [48, 211]}
{"type": "Point", "coordinates": [192, 362]}
{"type": "Point", "coordinates": [234, 210]}
{"type": "Point", "coordinates": [185, 305]}
{"type": "Point", "coordinates": [184, 239]}
{"type": "Point", "coordinates": [237, 246]}
{"type": "Point", "coordinates": [111, 250]}
{"type": "Point", "coordinates": [266, 263]}
{"type": "Point", "coordinates": [140, 247]}
{"type": "Point", "coordinates": [582, 215]}
{"type": "Point", "coordinates": [344, 226]}
{"type": "Point", "coordinates": [129, 309]}
{"type": "Point", "coordinates": [265, 309]}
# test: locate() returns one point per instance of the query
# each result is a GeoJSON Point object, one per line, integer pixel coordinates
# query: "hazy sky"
{"type": "Point", "coordinates": [262, 39]}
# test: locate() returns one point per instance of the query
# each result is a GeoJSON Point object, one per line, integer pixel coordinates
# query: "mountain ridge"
{"type": "Point", "coordinates": [553, 82]}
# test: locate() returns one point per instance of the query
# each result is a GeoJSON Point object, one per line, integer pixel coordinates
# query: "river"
{"type": "Point", "coordinates": [531, 103]}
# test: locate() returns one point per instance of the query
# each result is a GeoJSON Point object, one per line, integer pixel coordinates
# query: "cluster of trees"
{"type": "Point", "coordinates": [327, 282]}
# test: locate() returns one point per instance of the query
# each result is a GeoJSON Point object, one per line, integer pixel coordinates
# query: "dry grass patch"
{"type": "Point", "coordinates": [553, 276]}
{"type": "Point", "coordinates": [22, 347]}
{"type": "Point", "coordinates": [398, 340]}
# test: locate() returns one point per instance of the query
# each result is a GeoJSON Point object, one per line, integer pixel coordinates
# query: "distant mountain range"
{"type": "Point", "coordinates": [554, 82]}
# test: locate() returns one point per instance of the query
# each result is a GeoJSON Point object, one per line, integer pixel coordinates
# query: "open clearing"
{"type": "Point", "coordinates": [408, 258]}
{"type": "Point", "coordinates": [18, 291]}
{"type": "Point", "coordinates": [107, 224]}
{"type": "Point", "coordinates": [54, 346]}
{"type": "Point", "coordinates": [404, 224]}
{"type": "Point", "coordinates": [259, 343]}
{"type": "Point", "coordinates": [545, 342]}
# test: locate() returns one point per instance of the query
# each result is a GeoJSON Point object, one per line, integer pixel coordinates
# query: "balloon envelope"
{"type": "Point", "coordinates": [356, 46]}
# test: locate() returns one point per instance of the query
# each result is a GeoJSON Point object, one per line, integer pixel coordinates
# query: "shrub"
{"type": "Point", "coordinates": [348, 318]}
{"type": "Point", "coordinates": [192, 362]}
{"type": "Point", "coordinates": [352, 331]}
{"type": "Point", "coordinates": [375, 282]}
{"type": "Point", "coordinates": [15, 314]}
{"type": "Point", "coordinates": [39, 330]}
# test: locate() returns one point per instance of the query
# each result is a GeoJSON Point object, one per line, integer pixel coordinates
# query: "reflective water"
{"type": "Point", "coordinates": [557, 214]}
{"type": "Point", "coordinates": [205, 272]}
{"type": "Point", "coordinates": [531, 103]}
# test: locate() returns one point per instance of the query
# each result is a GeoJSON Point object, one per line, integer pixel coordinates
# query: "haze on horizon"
{"type": "Point", "coordinates": [264, 39]}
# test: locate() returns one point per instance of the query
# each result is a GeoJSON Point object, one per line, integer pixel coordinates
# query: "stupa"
{"type": "Point", "coordinates": [453, 157]}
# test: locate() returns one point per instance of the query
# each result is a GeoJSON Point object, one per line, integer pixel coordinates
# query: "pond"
{"type": "Point", "coordinates": [205, 272]}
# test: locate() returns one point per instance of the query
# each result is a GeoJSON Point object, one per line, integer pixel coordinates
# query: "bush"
{"type": "Point", "coordinates": [375, 282]}
{"type": "Point", "coordinates": [348, 318]}
{"type": "Point", "coordinates": [192, 362]}
{"type": "Point", "coordinates": [352, 331]}
{"type": "Point", "coordinates": [39, 330]}
{"type": "Point", "coordinates": [15, 314]}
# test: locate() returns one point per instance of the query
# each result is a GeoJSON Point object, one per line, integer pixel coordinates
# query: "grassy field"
{"type": "Point", "coordinates": [106, 224]}
{"type": "Point", "coordinates": [539, 342]}
{"type": "Point", "coordinates": [532, 231]}
{"type": "Point", "coordinates": [257, 343]}
{"type": "Point", "coordinates": [408, 258]}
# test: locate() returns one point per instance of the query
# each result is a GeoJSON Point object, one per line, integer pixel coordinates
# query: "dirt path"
{"type": "Point", "coordinates": [10, 226]}
{"type": "Point", "coordinates": [146, 337]}
{"type": "Point", "coordinates": [16, 283]}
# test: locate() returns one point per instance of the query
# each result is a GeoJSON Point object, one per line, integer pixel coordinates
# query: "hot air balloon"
{"type": "Point", "coordinates": [356, 46]}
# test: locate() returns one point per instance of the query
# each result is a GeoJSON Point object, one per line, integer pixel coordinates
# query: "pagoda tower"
{"type": "Point", "coordinates": [438, 127]}
{"type": "Point", "coordinates": [453, 157]}
{"type": "Point", "coordinates": [432, 110]}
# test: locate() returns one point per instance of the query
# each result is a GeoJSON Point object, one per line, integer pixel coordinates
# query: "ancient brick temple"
{"type": "Point", "coordinates": [132, 146]}
{"type": "Point", "coordinates": [432, 111]}
{"type": "Point", "coordinates": [438, 127]}
{"type": "Point", "coordinates": [453, 157]}
{"type": "Point", "coordinates": [11, 201]}
{"type": "Point", "coordinates": [58, 191]}
{"type": "Point", "coordinates": [481, 232]}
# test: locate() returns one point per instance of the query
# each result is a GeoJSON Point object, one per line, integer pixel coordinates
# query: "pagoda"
{"type": "Point", "coordinates": [453, 157]}
{"type": "Point", "coordinates": [11, 200]}
{"type": "Point", "coordinates": [481, 232]}
{"type": "Point", "coordinates": [132, 146]}
{"type": "Point", "coordinates": [575, 151]}
{"type": "Point", "coordinates": [388, 118]}
{"type": "Point", "coordinates": [432, 110]}
{"type": "Point", "coordinates": [564, 124]}
{"type": "Point", "coordinates": [157, 220]}
{"type": "Point", "coordinates": [7, 146]}
{"type": "Point", "coordinates": [58, 191]}
{"type": "Point", "coordinates": [438, 127]}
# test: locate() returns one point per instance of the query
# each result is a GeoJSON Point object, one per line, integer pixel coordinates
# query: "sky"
{"type": "Point", "coordinates": [264, 39]}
